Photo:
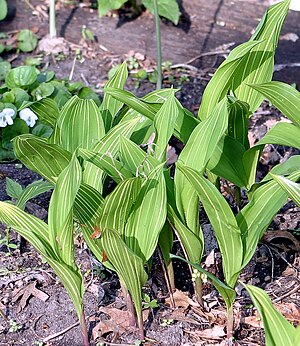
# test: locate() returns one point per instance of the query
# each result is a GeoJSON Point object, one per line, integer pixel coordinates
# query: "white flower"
{"type": "Point", "coordinates": [28, 116]}
{"type": "Point", "coordinates": [6, 117]}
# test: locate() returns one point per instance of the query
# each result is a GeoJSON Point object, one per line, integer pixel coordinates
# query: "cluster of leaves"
{"type": "Point", "coordinates": [166, 8]}
{"type": "Point", "coordinates": [24, 41]}
{"type": "Point", "coordinates": [22, 87]}
{"type": "Point", "coordinates": [91, 145]}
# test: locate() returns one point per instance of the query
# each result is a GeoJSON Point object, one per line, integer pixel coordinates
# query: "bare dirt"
{"type": "Point", "coordinates": [205, 27]}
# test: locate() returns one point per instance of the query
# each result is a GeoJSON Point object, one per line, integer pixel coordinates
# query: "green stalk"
{"type": "Point", "coordinates": [84, 330]}
{"type": "Point", "coordinates": [158, 45]}
{"type": "Point", "coordinates": [52, 21]}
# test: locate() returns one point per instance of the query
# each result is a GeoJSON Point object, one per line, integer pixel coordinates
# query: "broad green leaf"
{"type": "Point", "coordinates": [221, 81]}
{"type": "Point", "coordinates": [110, 106]}
{"type": "Point", "coordinates": [192, 243]}
{"type": "Point", "coordinates": [117, 205]}
{"type": "Point", "coordinates": [164, 123]}
{"type": "Point", "coordinates": [21, 76]}
{"type": "Point", "coordinates": [80, 123]}
{"type": "Point", "coordinates": [3, 9]}
{"type": "Point", "coordinates": [287, 167]}
{"type": "Point", "coordinates": [184, 124]}
{"type": "Point", "coordinates": [135, 158]}
{"type": "Point", "coordinates": [166, 8]}
{"type": "Point", "coordinates": [13, 188]}
{"type": "Point", "coordinates": [258, 67]}
{"type": "Point", "coordinates": [37, 233]}
{"type": "Point", "coordinates": [108, 145]}
{"type": "Point", "coordinates": [27, 40]}
{"type": "Point", "coordinates": [128, 266]}
{"type": "Point", "coordinates": [46, 159]}
{"type": "Point", "coordinates": [226, 292]}
{"type": "Point", "coordinates": [227, 161]}
{"type": "Point", "coordinates": [282, 134]}
{"type": "Point", "coordinates": [238, 121]}
{"type": "Point", "coordinates": [165, 242]}
{"type": "Point", "coordinates": [256, 216]}
{"type": "Point", "coordinates": [278, 331]}
{"type": "Point", "coordinates": [107, 5]}
{"type": "Point", "coordinates": [292, 188]}
{"type": "Point", "coordinates": [32, 190]}
{"type": "Point", "coordinates": [60, 216]}
{"type": "Point", "coordinates": [47, 111]}
{"type": "Point", "coordinates": [283, 96]}
{"type": "Point", "coordinates": [196, 154]}
{"type": "Point", "coordinates": [148, 215]}
{"type": "Point", "coordinates": [223, 222]}
{"type": "Point", "coordinates": [108, 164]}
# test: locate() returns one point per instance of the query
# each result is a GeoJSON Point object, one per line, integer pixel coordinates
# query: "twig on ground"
{"type": "Point", "coordinates": [287, 294]}
{"type": "Point", "coordinates": [217, 52]}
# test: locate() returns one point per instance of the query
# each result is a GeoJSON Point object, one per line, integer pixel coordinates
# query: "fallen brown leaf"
{"type": "Point", "coordinates": [26, 292]}
{"type": "Point", "coordinates": [271, 235]}
{"type": "Point", "coordinates": [214, 333]}
{"type": "Point", "coordinates": [254, 321]}
{"type": "Point", "coordinates": [181, 299]}
{"type": "Point", "coordinates": [289, 310]}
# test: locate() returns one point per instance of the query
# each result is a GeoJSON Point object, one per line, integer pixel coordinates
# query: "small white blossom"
{"type": "Point", "coordinates": [28, 116]}
{"type": "Point", "coordinates": [6, 117]}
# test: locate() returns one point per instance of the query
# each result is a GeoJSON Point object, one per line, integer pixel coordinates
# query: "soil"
{"type": "Point", "coordinates": [205, 27]}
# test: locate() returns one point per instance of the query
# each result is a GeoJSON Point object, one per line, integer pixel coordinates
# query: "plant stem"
{"type": "Point", "coordinates": [84, 331]}
{"type": "Point", "coordinates": [158, 45]}
{"type": "Point", "coordinates": [166, 275]}
{"type": "Point", "coordinates": [230, 324]}
{"type": "Point", "coordinates": [198, 290]}
{"type": "Point", "coordinates": [130, 306]}
{"type": "Point", "coordinates": [52, 21]}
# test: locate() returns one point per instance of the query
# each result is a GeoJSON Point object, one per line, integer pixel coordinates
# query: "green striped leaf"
{"type": "Point", "coordinates": [184, 124]}
{"type": "Point", "coordinates": [192, 243]}
{"type": "Point", "coordinates": [37, 154]}
{"type": "Point", "coordinates": [31, 191]}
{"type": "Point", "coordinates": [117, 205]}
{"type": "Point", "coordinates": [46, 109]}
{"type": "Point", "coordinates": [128, 266]}
{"type": "Point", "coordinates": [257, 215]}
{"type": "Point", "coordinates": [283, 96]}
{"type": "Point", "coordinates": [108, 145]}
{"type": "Point", "coordinates": [148, 215]}
{"type": "Point", "coordinates": [226, 292]}
{"type": "Point", "coordinates": [80, 124]}
{"type": "Point", "coordinates": [108, 164]}
{"type": "Point", "coordinates": [165, 242]}
{"type": "Point", "coordinates": [60, 216]}
{"type": "Point", "coordinates": [221, 81]}
{"type": "Point", "coordinates": [222, 220]}
{"type": "Point", "coordinates": [135, 158]}
{"type": "Point", "coordinates": [164, 123]}
{"type": "Point", "coordinates": [278, 331]}
{"type": "Point", "coordinates": [287, 167]}
{"type": "Point", "coordinates": [292, 188]}
{"type": "Point", "coordinates": [259, 65]}
{"type": "Point", "coordinates": [227, 161]}
{"type": "Point", "coordinates": [110, 106]}
{"type": "Point", "coordinates": [36, 232]}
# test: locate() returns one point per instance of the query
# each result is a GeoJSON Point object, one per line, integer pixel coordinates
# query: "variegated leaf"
{"type": "Point", "coordinates": [292, 188]}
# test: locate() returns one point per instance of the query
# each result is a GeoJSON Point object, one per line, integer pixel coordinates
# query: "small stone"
{"type": "Point", "coordinates": [268, 278]}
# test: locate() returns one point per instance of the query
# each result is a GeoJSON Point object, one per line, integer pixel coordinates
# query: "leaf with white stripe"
{"type": "Point", "coordinates": [37, 154]}
{"type": "Point", "coordinates": [37, 233]}
{"type": "Point", "coordinates": [32, 190]}
{"type": "Point", "coordinates": [108, 145]}
{"type": "Point", "coordinates": [80, 123]}
{"type": "Point", "coordinates": [128, 266]}
{"type": "Point", "coordinates": [221, 81]}
{"type": "Point", "coordinates": [135, 158]}
{"type": "Point", "coordinates": [60, 216]}
{"type": "Point", "coordinates": [46, 110]}
{"type": "Point", "coordinates": [278, 331]}
{"type": "Point", "coordinates": [164, 123]}
{"type": "Point", "coordinates": [222, 220]}
{"type": "Point", "coordinates": [110, 106]}
{"type": "Point", "coordinates": [292, 188]}
{"type": "Point", "coordinates": [184, 124]}
{"type": "Point", "coordinates": [283, 96]}
{"type": "Point", "coordinates": [114, 168]}
{"type": "Point", "coordinates": [256, 216]}
{"type": "Point", "coordinates": [148, 215]}
{"type": "Point", "coordinates": [226, 292]}
{"type": "Point", "coordinates": [117, 205]}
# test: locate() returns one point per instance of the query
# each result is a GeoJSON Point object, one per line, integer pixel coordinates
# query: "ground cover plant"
{"type": "Point", "coordinates": [124, 222]}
